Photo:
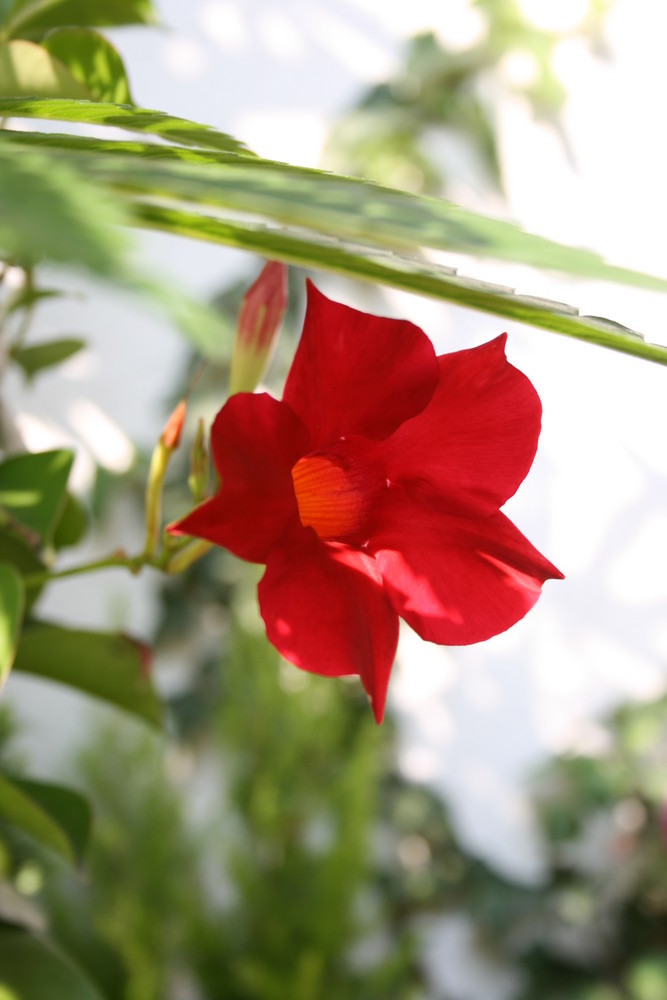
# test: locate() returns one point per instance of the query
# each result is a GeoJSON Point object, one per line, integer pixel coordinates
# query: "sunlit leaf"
{"type": "Point", "coordinates": [158, 123]}
{"type": "Point", "coordinates": [28, 70]}
{"type": "Point", "coordinates": [91, 60]}
{"type": "Point", "coordinates": [31, 18]}
{"type": "Point", "coordinates": [33, 969]}
{"type": "Point", "coordinates": [107, 665]}
{"type": "Point", "coordinates": [33, 488]}
{"type": "Point", "coordinates": [38, 357]}
{"type": "Point", "coordinates": [11, 614]}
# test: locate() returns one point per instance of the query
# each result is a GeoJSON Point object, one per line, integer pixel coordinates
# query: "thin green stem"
{"type": "Point", "coordinates": [116, 559]}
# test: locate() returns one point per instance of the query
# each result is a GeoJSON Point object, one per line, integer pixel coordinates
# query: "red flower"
{"type": "Point", "coordinates": [373, 490]}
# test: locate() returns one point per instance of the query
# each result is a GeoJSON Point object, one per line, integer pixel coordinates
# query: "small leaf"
{"type": "Point", "coordinates": [31, 18]}
{"type": "Point", "coordinates": [37, 357]}
{"type": "Point", "coordinates": [107, 665]}
{"type": "Point", "coordinates": [18, 809]}
{"type": "Point", "coordinates": [29, 296]}
{"type": "Point", "coordinates": [11, 614]}
{"type": "Point", "coordinates": [33, 969]}
{"type": "Point", "coordinates": [73, 523]}
{"type": "Point", "coordinates": [66, 807]}
{"type": "Point", "coordinates": [91, 60]}
{"type": "Point", "coordinates": [33, 489]}
{"type": "Point", "coordinates": [28, 70]}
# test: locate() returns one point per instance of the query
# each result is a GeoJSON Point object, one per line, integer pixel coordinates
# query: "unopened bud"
{"type": "Point", "coordinates": [257, 328]}
{"type": "Point", "coordinates": [198, 478]}
{"type": "Point", "coordinates": [171, 435]}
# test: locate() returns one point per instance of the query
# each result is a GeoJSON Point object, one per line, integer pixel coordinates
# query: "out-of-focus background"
{"type": "Point", "coordinates": [499, 838]}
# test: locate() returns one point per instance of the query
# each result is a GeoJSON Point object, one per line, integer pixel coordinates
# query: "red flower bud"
{"type": "Point", "coordinates": [171, 435]}
{"type": "Point", "coordinates": [258, 325]}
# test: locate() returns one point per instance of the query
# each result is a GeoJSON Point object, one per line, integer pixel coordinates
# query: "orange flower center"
{"type": "Point", "coordinates": [330, 499]}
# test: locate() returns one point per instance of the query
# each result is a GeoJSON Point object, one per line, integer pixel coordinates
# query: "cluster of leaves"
{"type": "Point", "coordinates": [449, 95]}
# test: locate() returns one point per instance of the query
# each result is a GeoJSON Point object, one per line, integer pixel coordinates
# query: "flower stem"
{"type": "Point", "coordinates": [118, 558]}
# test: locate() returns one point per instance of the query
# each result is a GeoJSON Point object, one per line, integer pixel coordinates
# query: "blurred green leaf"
{"type": "Point", "coordinates": [20, 809]}
{"type": "Point", "coordinates": [33, 488]}
{"type": "Point", "coordinates": [31, 18]}
{"type": "Point", "coordinates": [37, 357]}
{"type": "Point", "coordinates": [28, 70]}
{"type": "Point", "coordinates": [11, 614]}
{"type": "Point", "coordinates": [178, 130]}
{"type": "Point", "coordinates": [69, 809]}
{"type": "Point", "coordinates": [91, 60]}
{"type": "Point", "coordinates": [49, 210]}
{"type": "Point", "coordinates": [32, 969]}
{"type": "Point", "coordinates": [28, 296]}
{"type": "Point", "coordinates": [19, 552]}
{"type": "Point", "coordinates": [107, 665]}
{"type": "Point", "coordinates": [72, 524]}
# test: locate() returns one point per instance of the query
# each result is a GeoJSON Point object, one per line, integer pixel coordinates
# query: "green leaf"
{"type": "Point", "coordinates": [107, 665]}
{"type": "Point", "coordinates": [49, 210]}
{"type": "Point", "coordinates": [400, 271]}
{"type": "Point", "coordinates": [29, 296]}
{"type": "Point", "coordinates": [33, 489]}
{"type": "Point", "coordinates": [37, 357]}
{"type": "Point", "coordinates": [91, 60]}
{"type": "Point", "coordinates": [72, 525]}
{"type": "Point", "coordinates": [11, 615]}
{"type": "Point", "coordinates": [31, 18]}
{"type": "Point", "coordinates": [28, 70]}
{"type": "Point", "coordinates": [345, 208]}
{"type": "Point", "coordinates": [33, 969]}
{"type": "Point", "coordinates": [20, 810]}
{"type": "Point", "coordinates": [158, 123]}
{"type": "Point", "coordinates": [19, 552]}
{"type": "Point", "coordinates": [68, 808]}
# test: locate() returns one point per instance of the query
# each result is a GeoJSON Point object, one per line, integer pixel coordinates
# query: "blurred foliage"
{"type": "Point", "coordinates": [434, 122]}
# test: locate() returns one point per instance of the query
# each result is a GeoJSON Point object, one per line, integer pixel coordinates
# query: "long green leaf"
{"type": "Point", "coordinates": [12, 600]}
{"type": "Point", "coordinates": [344, 207]}
{"type": "Point", "coordinates": [32, 969]}
{"type": "Point", "coordinates": [157, 123]}
{"type": "Point", "coordinates": [106, 665]}
{"type": "Point", "coordinates": [20, 810]}
{"type": "Point", "coordinates": [399, 271]}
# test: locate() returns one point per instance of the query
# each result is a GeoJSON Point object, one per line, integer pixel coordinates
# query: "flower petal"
{"type": "Point", "coordinates": [255, 441]}
{"type": "Point", "coordinates": [325, 610]}
{"type": "Point", "coordinates": [456, 580]}
{"type": "Point", "coordinates": [474, 443]}
{"type": "Point", "coordinates": [357, 374]}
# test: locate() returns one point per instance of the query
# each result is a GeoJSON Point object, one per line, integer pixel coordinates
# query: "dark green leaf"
{"type": "Point", "coordinates": [178, 130]}
{"type": "Point", "coordinates": [11, 615]}
{"type": "Point", "coordinates": [19, 552]}
{"type": "Point", "coordinates": [91, 60]}
{"type": "Point", "coordinates": [72, 525]}
{"type": "Point", "coordinates": [32, 969]}
{"type": "Point", "coordinates": [31, 18]}
{"type": "Point", "coordinates": [19, 809]}
{"type": "Point", "coordinates": [28, 70]}
{"type": "Point", "coordinates": [33, 489]}
{"type": "Point", "coordinates": [107, 665]}
{"type": "Point", "coordinates": [37, 357]}
{"type": "Point", "coordinates": [67, 808]}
